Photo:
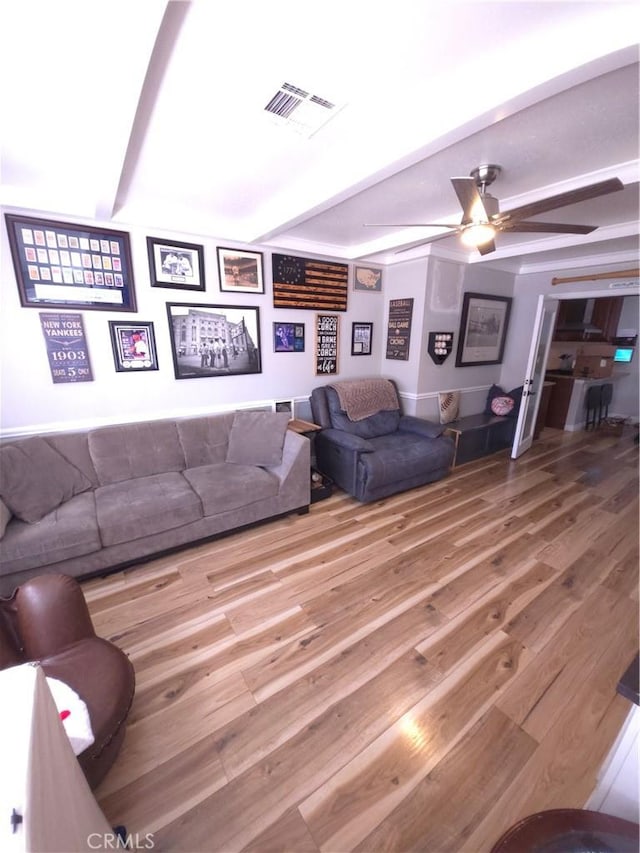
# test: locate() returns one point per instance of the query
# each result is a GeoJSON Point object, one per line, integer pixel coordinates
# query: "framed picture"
{"type": "Point", "coordinates": [66, 347]}
{"type": "Point", "coordinates": [308, 283]}
{"type": "Point", "coordinates": [134, 346]}
{"type": "Point", "coordinates": [327, 336]}
{"type": "Point", "coordinates": [483, 329]}
{"type": "Point", "coordinates": [284, 406]}
{"type": "Point", "coordinates": [62, 265]}
{"type": "Point", "coordinates": [361, 335]}
{"type": "Point", "coordinates": [214, 340]}
{"type": "Point", "coordinates": [240, 271]}
{"type": "Point", "coordinates": [288, 337]}
{"type": "Point", "coordinates": [399, 329]}
{"type": "Point", "coordinates": [367, 278]}
{"type": "Point", "coordinates": [177, 265]}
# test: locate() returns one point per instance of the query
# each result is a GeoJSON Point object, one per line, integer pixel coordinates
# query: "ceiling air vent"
{"type": "Point", "coordinates": [299, 110]}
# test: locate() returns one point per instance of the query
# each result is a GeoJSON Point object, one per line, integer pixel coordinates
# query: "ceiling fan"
{"type": "Point", "coordinates": [482, 219]}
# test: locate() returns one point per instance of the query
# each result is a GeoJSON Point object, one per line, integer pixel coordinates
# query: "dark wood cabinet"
{"type": "Point", "coordinates": [606, 316]}
{"type": "Point", "coordinates": [576, 316]}
{"type": "Point", "coordinates": [558, 405]}
{"type": "Point", "coordinates": [541, 418]}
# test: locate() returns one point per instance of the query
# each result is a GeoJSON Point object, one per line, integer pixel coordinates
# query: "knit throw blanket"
{"type": "Point", "coordinates": [361, 398]}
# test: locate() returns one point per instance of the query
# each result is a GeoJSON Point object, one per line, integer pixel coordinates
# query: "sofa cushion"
{"type": "Point", "coordinates": [5, 517]}
{"type": "Point", "coordinates": [68, 531]}
{"type": "Point", "coordinates": [35, 478]}
{"type": "Point", "coordinates": [224, 486]}
{"type": "Point", "coordinates": [130, 451]}
{"type": "Point", "coordinates": [144, 506]}
{"type": "Point", "coordinates": [205, 439]}
{"type": "Point", "coordinates": [403, 456]}
{"type": "Point", "coordinates": [381, 423]}
{"type": "Point", "coordinates": [257, 438]}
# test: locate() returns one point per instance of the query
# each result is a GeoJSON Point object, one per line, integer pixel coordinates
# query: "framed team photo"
{"type": "Point", "coordinates": [176, 265]}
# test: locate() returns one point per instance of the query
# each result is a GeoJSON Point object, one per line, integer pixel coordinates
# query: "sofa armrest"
{"type": "Point", "coordinates": [347, 440]}
{"type": "Point", "coordinates": [52, 614]}
{"type": "Point", "coordinates": [294, 446]}
{"type": "Point", "coordinates": [409, 423]}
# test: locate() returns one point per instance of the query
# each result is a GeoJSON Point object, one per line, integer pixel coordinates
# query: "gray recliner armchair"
{"type": "Point", "coordinates": [368, 447]}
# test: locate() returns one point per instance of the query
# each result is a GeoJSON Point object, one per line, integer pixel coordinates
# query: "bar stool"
{"type": "Point", "coordinates": [593, 406]}
{"type": "Point", "coordinates": [606, 395]}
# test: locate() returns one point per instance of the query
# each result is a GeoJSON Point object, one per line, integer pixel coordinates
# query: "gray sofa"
{"type": "Point", "coordinates": [380, 451]}
{"type": "Point", "coordinates": [86, 502]}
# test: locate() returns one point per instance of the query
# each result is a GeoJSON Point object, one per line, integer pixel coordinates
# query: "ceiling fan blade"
{"type": "Point", "coordinates": [409, 225]}
{"type": "Point", "coordinates": [562, 200]}
{"type": "Point", "coordinates": [487, 248]}
{"type": "Point", "coordinates": [422, 243]}
{"type": "Point", "coordinates": [473, 209]}
{"type": "Point", "coordinates": [547, 227]}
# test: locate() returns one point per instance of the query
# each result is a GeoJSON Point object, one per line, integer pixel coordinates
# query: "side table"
{"type": "Point", "coordinates": [321, 485]}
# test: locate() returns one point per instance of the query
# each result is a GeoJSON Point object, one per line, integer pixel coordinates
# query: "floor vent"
{"type": "Point", "coordinates": [299, 110]}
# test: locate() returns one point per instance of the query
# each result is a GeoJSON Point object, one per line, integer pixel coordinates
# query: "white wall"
{"type": "Point", "coordinates": [437, 287]}
{"type": "Point", "coordinates": [529, 287]}
{"type": "Point", "coordinates": [30, 401]}
{"type": "Point", "coordinates": [626, 398]}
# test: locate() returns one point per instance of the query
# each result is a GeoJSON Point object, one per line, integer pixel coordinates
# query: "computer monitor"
{"type": "Point", "coordinates": [623, 354]}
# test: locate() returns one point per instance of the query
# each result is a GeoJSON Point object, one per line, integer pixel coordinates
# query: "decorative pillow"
{"type": "Point", "coordinates": [257, 438]}
{"type": "Point", "coordinates": [5, 517]}
{"type": "Point", "coordinates": [516, 396]}
{"type": "Point", "coordinates": [35, 479]}
{"type": "Point", "coordinates": [502, 405]}
{"type": "Point", "coordinates": [449, 402]}
{"type": "Point", "coordinates": [494, 391]}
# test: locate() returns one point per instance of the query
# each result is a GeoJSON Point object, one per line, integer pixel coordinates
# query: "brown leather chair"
{"type": "Point", "coordinates": [47, 620]}
{"type": "Point", "coordinates": [570, 831]}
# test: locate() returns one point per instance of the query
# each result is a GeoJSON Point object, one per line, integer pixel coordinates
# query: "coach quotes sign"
{"type": "Point", "coordinates": [66, 347]}
{"type": "Point", "coordinates": [326, 344]}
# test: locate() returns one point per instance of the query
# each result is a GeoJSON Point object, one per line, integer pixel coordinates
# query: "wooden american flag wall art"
{"type": "Point", "coordinates": [306, 283]}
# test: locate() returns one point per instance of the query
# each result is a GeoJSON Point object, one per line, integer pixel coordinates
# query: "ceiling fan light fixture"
{"type": "Point", "coordinates": [477, 234]}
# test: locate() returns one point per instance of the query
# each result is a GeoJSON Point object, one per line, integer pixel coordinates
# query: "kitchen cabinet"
{"type": "Point", "coordinates": [588, 319]}
{"type": "Point", "coordinates": [560, 397]}
{"type": "Point", "coordinates": [606, 316]}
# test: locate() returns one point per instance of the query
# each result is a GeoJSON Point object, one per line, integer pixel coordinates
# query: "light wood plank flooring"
{"type": "Point", "coordinates": [416, 674]}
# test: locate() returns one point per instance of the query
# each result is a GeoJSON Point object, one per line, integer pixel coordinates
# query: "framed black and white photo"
{"type": "Point", "coordinates": [176, 265]}
{"type": "Point", "coordinates": [284, 406]}
{"type": "Point", "coordinates": [66, 265]}
{"type": "Point", "coordinates": [483, 329]}
{"type": "Point", "coordinates": [240, 271]}
{"type": "Point", "coordinates": [361, 336]}
{"type": "Point", "coordinates": [214, 340]}
{"type": "Point", "coordinates": [288, 337]}
{"type": "Point", "coordinates": [134, 346]}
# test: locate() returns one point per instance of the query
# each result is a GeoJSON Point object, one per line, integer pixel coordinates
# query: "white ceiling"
{"type": "Point", "coordinates": [154, 115]}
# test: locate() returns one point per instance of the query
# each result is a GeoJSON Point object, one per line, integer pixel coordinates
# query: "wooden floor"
{"type": "Point", "coordinates": [415, 674]}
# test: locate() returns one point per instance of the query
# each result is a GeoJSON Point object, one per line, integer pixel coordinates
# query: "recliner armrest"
{"type": "Point", "coordinates": [409, 423]}
{"type": "Point", "coordinates": [347, 440]}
